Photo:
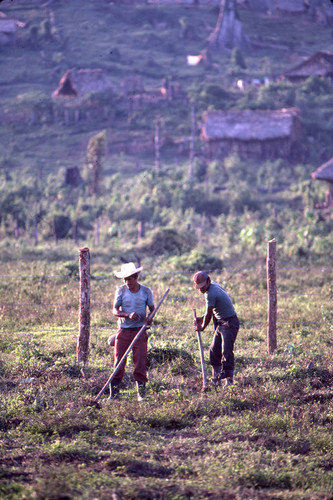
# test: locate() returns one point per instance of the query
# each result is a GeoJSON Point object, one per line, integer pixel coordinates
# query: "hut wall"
{"type": "Point", "coordinates": [294, 6]}
{"type": "Point", "coordinates": [270, 149]}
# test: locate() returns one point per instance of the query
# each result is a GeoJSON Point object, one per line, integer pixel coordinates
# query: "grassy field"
{"type": "Point", "coordinates": [267, 436]}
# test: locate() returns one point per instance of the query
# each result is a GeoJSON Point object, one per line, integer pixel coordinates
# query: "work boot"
{"type": "Point", "coordinates": [141, 390]}
{"type": "Point", "coordinates": [229, 381]}
{"type": "Point", "coordinates": [114, 389]}
{"type": "Point", "coordinates": [229, 375]}
{"type": "Point", "coordinates": [216, 375]}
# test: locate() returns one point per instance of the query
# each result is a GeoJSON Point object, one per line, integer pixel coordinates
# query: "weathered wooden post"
{"type": "Point", "coordinates": [82, 348]}
{"type": "Point", "coordinates": [97, 230]}
{"type": "Point", "coordinates": [271, 296]}
{"type": "Point", "coordinates": [35, 229]}
{"type": "Point", "coordinates": [141, 230]}
{"type": "Point", "coordinates": [54, 230]}
{"type": "Point", "coordinates": [157, 146]}
{"type": "Point", "coordinates": [192, 139]}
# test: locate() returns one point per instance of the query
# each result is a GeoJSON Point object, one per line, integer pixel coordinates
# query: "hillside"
{"type": "Point", "coordinates": [147, 46]}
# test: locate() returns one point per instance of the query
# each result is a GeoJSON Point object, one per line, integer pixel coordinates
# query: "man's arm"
{"type": "Point", "coordinates": [122, 314]}
{"type": "Point", "coordinates": [204, 320]}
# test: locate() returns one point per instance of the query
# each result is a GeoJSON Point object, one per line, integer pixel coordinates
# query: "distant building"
{"type": "Point", "coordinates": [325, 173]}
{"type": "Point", "coordinates": [77, 82]}
{"type": "Point", "coordinates": [283, 6]}
{"type": "Point", "coordinates": [292, 7]}
{"type": "Point", "coordinates": [185, 2]}
{"type": "Point", "coordinates": [319, 64]}
{"type": "Point", "coordinates": [252, 134]}
{"type": "Point", "coordinates": [132, 85]}
{"type": "Point", "coordinates": [8, 30]}
{"type": "Point", "coordinates": [137, 97]}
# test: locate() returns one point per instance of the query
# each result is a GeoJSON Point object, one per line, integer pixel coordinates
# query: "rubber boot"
{"type": "Point", "coordinates": [216, 375]}
{"type": "Point", "coordinates": [141, 390]}
{"type": "Point", "coordinates": [114, 389]}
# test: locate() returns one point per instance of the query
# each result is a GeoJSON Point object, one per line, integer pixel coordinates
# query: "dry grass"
{"type": "Point", "coordinates": [268, 436]}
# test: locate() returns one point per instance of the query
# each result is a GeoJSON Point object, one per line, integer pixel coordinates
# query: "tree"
{"type": "Point", "coordinates": [95, 154]}
{"type": "Point", "coordinates": [229, 30]}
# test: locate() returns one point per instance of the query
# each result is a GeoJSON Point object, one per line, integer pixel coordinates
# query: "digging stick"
{"type": "Point", "coordinates": [202, 359]}
{"type": "Point", "coordinates": [130, 347]}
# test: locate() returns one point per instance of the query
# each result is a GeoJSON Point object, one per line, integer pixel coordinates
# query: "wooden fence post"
{"type": "Point", "coordinates": [97, 230]}
{"type": "Point", "coordinates": [271, 296]}
{"type": "Point", "coordinates": [157, 146]}
{"type": "Point", "coordinates": [82, 348]}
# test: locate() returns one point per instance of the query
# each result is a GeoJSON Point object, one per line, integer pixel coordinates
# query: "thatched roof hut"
{"type": "Point", "coordinates": [251, 133]}
{"type": "Point", "coordinates": [294, 7]}
{"type": "Point", "coordinates": [324, 172]}
{"type": "Point", "coordinates": [77, 82]}
{"type": "Point", "coordinates": [319, 64]}
{"type": "Point", "coordinates": [8, 29]}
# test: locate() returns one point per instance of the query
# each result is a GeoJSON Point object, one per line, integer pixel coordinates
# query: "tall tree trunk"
{"type": "Point", "coordinates": [54, 231]}
{"type": "Point", "coordinates": [35, 230]}
{"type": "Point", "coordinates": [75, 232]}
{"type": "Point", "coordinates": [193, 127]}
{"type": "Point", "coordinates": [17, 228]}
{"type": "Point", "coordinates": [141, 230]}
{"type": "Point", "coordinates": [228, 33]}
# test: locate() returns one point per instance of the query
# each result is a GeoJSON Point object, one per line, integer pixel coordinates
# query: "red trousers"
{"type": "Point", "coordinates": [124, 338]}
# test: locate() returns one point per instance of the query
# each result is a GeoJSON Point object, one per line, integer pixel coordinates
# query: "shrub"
{"type": "Point", "coordinates": [213, 95]}
{"type": "Point", "coordinates": [168, 354]}
{"type": "Point", "coordinates": [200, 169]}
{"type": "Point", "coordinates": [243, 200]}
{"type": "Point", "coordinates": [61, 225]}
{"type": "Point", "coordinates": [167, 241]}
{"type": "Point", "coordinates": [237, 58]}
{"type": "Point", "coordinates": [196, 260]}
{"type": "Point", "coordinates": [276, 95]}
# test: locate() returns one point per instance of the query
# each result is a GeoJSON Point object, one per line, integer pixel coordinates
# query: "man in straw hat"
{"type": "Point", "coordinates": [219, 307]}
{"type": "Point", "coordinates": [130, 307]}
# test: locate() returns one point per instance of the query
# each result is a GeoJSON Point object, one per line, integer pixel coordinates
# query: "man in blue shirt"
{"type": "Point", "coordinates": [130, 307]}
{"type": "Point", "coordinates": [219, 307]}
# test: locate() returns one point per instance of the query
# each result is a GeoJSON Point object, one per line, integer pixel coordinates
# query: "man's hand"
{"type": "Point", "coordinates": [197, 325]}
{"type": "Point", "coordinates": [134, 316]}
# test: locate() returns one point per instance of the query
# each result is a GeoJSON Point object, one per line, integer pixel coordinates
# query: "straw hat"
{"type": "Point", "coordinates": [127, 270]}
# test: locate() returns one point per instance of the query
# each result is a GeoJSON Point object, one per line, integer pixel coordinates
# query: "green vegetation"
{"type": "Point", "coordinates": [44, 137]}
{"type": "Point", "coordinates": [270, 434]}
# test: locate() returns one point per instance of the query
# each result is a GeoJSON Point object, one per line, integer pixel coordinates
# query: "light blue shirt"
{"type": "Point", "coordinates": [133, 302]}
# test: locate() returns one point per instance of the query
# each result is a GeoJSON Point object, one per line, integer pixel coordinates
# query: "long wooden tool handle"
{"type": "Point", "coordinates": [202, 359]}
{"type": "Point", "coordinates": [130, 347]}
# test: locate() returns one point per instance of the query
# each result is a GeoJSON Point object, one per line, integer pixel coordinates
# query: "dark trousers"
{"type": "Point", "coordinates": [222, 348]}
{"type": "Point", "coordinates": [124, 338]}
